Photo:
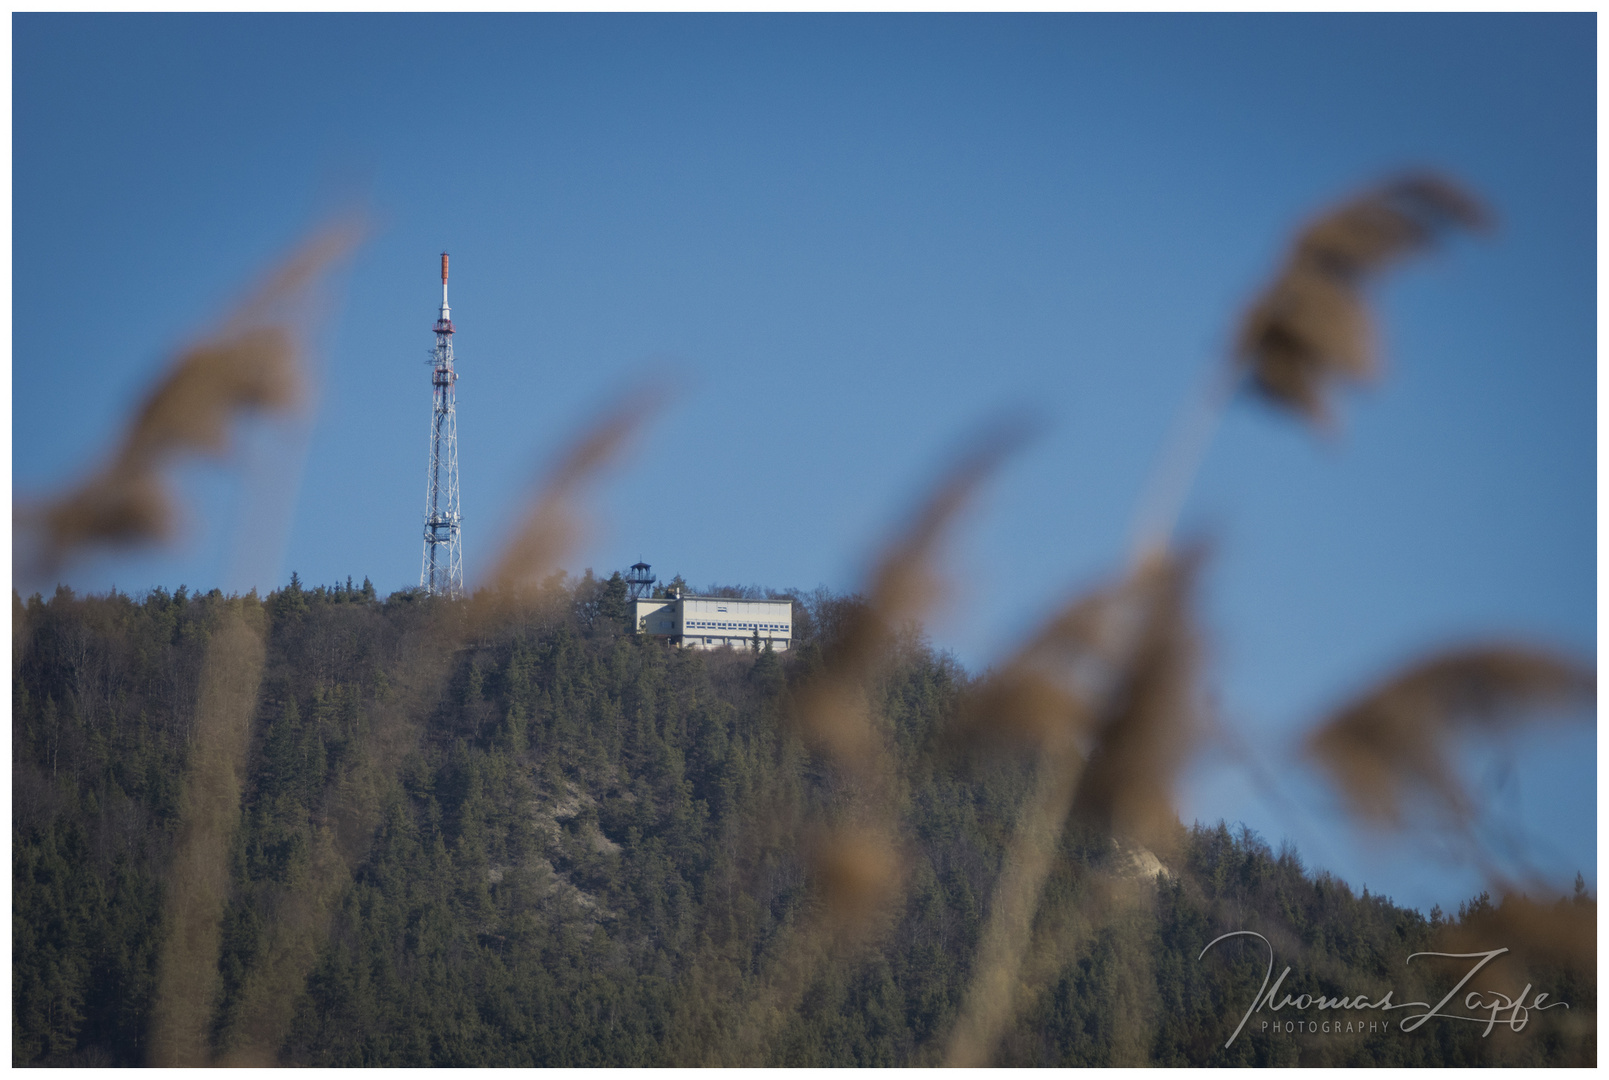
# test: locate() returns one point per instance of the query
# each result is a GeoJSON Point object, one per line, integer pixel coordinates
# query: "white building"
{"type": "Point", "coordinates": [708, 622]}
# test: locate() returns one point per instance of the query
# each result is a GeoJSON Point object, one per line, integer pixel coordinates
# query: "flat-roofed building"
{"type": "Point", "coordinates": [710, 622]}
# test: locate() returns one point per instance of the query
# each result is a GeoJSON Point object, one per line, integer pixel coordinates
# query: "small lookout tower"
{"type": "Point", "coordinates": [640, 582]}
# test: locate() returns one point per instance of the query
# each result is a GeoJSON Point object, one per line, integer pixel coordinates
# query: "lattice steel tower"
{"type": "Point", "coordinates": [443, 571]}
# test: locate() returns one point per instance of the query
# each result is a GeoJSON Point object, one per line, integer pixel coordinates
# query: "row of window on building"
{"type": "Point", "coordinates": [777, 628]}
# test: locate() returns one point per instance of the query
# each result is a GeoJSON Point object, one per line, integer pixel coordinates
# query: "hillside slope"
{"type": "Point", "coordinates": [550, 842]}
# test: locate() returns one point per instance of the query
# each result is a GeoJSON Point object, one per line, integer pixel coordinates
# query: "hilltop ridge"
{"type": "Point", "coordinates": [560, 843]}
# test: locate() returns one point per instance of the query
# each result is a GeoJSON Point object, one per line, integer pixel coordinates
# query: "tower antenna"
{"type": "Point", "coordinates": [443, 571]}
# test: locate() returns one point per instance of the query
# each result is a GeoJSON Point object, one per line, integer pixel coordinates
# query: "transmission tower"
{"type": "Point", "coordinates": [443, 571]}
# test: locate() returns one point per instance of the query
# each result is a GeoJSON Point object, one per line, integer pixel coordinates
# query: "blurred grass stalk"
{"type": "Point", "coordinates": [552, 523]}
{"type": "Point", "coordinates": [187, 969]}
{"type": "Point", "coordinates": [1307, 332]}
{"type": "Point", "coordinates": [252, 362]}
{"type": "Point", "coordinates": [1104, 694]}
{"type": "Point", "coordinates": [991, 997]}
{"type": "Point", "coordinates": [545, 536]}
{"type": "Point", "coordinates": [856, 857]}
{"type": "Point", "coordinates": [255, 362]}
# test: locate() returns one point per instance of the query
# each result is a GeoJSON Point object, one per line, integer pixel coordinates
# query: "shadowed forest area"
{"type": "Point", "coordinates": [545, 840]}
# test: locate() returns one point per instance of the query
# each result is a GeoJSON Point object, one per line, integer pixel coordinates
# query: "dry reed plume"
{"type": "Point", "coordinates": [1394, 741]}
{"type": "Point", "coordinates": [551, 526]}
{"type": "Point", "coordinates": [547, 534]}
{"type": "Point", "coordinates": [292, 945]}
{"type": "Point", "coordinates": [1104, 694]}
{"type": "Point", "coordinates": [858, 864]}
{"type": "Point", "coordinates": [1150, 723]}
{"type": "Point", "coordinates": [1311, 328]}
{"type": "Point", "coordinates": [187, 974]}
{"type": "Point", "coordinates": [855, 858]}
{"type": "Point", "coordinates": [252, 362]}
{"type": "Point", "coordinates": [902, 588]}
{"type": "Point", "coordinates": [1562, 933]}
{"type": "Point", "coordinates": [1544, 941]}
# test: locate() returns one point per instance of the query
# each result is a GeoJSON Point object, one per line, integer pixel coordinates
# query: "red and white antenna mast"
{"type": "Point", "coordinates": [443, 571]}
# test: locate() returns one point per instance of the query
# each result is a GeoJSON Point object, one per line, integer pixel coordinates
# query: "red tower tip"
{"type": "Point", "coordinates": [444, 268]}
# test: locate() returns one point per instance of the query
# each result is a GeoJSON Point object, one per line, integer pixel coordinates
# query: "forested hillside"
{"type": "Point", "coordinates": [541, 840]}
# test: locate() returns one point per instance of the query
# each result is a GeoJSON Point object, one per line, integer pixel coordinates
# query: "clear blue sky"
{"type": "Point", "coordinates": [853, 238]}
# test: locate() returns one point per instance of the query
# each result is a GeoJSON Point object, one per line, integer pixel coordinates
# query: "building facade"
{"type": "Point", "coordinates": [711, 622]}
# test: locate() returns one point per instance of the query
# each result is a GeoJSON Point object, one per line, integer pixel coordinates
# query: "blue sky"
{"type": "Point", "coordinates": [850, 239]}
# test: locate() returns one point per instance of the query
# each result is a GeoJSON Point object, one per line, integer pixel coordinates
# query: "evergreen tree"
{"type": "Point", "coordinates": [565, 844]}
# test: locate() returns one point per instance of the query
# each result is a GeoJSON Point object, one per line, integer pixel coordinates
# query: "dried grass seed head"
{"type": "Point", "coordinates": [1311, 327]}
{"type": "Point", "coordinates": [1148, 719]}
{"type": "Point", "coordinates": [552, 523]}
{"type": "Point", "coordinates": [251, 363]}
{"type": "Point", "coordinates": [209, 385]}
{"type": "Point", "coordinates": [117, 507]}
{"type": "Point", "coordinates": [831, 710]}
{"type": "Point", "coordinates": [1396, 738]}
{"type": "Point", "coordinates": [1039, 697]}
{"type": "Point", "coordinates": [1564, 933]}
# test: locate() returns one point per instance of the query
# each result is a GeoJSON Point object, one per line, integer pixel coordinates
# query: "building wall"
{"type": "Point", "coordinates": [709, 622]}
{"type": "Point", "coordinates": [657, 617]}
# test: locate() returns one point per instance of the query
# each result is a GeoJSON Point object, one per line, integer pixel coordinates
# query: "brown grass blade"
{"type": "Point", "coordinates": [1561, 934]}
{"type": "Point", "coordinates": [187, 972]}
{"type": "Point", "coordinates": [1038, 698]}
{"type": "Point", "coordinates": [252, 363]}
{"type": "Point", "coordinates": [191, 410]}
{"type": "Point", "coordinates": [1151, 723]}
{"type": "Point", "coordinates": [857, 866]}
{"type": "Point", "coordinates": [1104, 693]}
{"type": "Point", "coordinates": [552, 524]}
{"type": "Point", "coordinates": [1311, 327]}
{"type": "Point", "coordinates": [1396, 738]}
{"type": "Point", "coordinates": [831, 710]}
{"type": "Point", "coordinates": [1552, 948]}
